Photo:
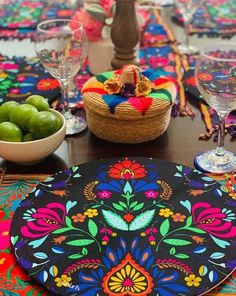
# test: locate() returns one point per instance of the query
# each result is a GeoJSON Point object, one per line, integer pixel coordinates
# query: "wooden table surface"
{"type": "Point", "coordinates": [178, 144]}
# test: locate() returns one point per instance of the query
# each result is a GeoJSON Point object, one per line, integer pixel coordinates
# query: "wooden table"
{"type": "Point", "coordinates": [178, 144]}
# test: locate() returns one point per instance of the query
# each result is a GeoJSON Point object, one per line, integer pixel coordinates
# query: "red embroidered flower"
{"type": "Point", "coordinates": [127, 169]}
{"type": "Point", "coordinates": [190, 81]}
{"type": "Point", "coordinates": [6, 261]}
{"type": "Point", "coordinates": [47, 84]}
{"type": "Point", "coordinates": [204, 76]}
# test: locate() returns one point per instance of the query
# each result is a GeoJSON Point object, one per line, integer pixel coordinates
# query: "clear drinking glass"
{"type": "Point", "coordinates": [215, 75]}
{"type": "Point", "coordinates": [187, 8]}
{"type": "Point", "coordinates": [61, 46]}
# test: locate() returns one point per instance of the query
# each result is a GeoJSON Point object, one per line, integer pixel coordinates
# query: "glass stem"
{"type": "Point", "coordinates": [186, 28]}
{"type": "Point", "coordinates": [221, 136]}
{"type": "Point", "coordinates": [65, 102]}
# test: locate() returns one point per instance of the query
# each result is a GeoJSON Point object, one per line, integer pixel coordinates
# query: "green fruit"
{"type": "Point", "coordinates": [43, 124]}
{"type": "Point", "coordinates": [5, 110]}
{"type": "Point", "coordinates": [21, 115]}
{"type": "Point", "coordinates": [39, 102]}
{"type": "Point", "coordinates": [10, 132]}
{"type": "Point", "coordinates": [28, 137]}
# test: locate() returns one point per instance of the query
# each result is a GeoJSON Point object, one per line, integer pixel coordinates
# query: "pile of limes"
{"type": "Point", "coordinates": [28, 121]}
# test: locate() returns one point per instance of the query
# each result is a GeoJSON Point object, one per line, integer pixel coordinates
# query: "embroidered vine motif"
{"type": "Point", "coordinates": [127, 227]}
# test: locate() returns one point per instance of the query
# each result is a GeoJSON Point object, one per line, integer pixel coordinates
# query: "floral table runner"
{"type": "Point", "coordinates": [214, 18]}
{"type": "Point", "coordinates": [15, 188]}
{"type": "Point", "coordinates": [21, 77]}
{"type": "Point", "coordinates": [18, 19]}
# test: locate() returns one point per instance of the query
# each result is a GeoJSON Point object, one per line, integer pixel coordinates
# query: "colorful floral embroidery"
{"type": "Point", "coordinates": [123, 231]}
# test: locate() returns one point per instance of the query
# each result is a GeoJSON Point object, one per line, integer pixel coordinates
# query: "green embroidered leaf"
{"type": "Point", "coordinates": [117, 207]}
{"type": "Point", "coordinates": [68, 221]}
{"type": "Point", "coordinates": [74, 168]}
{"type": "Point", "coordinates": [133, 204]}
{"type": "Point", "coordinates": [80, 242]}
{"type": "Point", "coordinates": [114, 220]}
{"type": "Point", "coordinates": [177, 242]}
{"type": "Point", "coordinates": [194, 229]}
{"type": "Point", "coordinates": [75, 256]}
{"type": "Point", "coordinates": [60, 230]}
{"type": "Point", "coordinates": [142, 220]}
{"type": "Point", "coordinates": [123, 204]}
{"type": "Point", "coordinates": [165, 226]}
{"type": "Point", "coordinates": [92, 227]}
{"type": "Point", "coordinates": [179, 168]}
{"type": "Point", "coordinates": [84, 251]}
{"type": "Point", "coordinates": [182, 256]}
{"type": "Point", "coordinates": [138, 207]}
{"type": "Point", "coordinates": [189, 221]}
{"type": "Point", "coordinates": [172, 251]}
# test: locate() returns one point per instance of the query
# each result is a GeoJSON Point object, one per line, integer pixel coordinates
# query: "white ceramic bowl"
{"type": "Point", "coordinates": [33, 151]}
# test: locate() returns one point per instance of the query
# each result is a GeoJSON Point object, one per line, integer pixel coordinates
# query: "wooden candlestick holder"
{"type": "Point", "coordinates": [125, 34]}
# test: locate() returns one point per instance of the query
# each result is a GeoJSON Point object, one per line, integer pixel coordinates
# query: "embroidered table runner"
{"type": "Point", "coordinates": [214, 18]}
{"type": "Point", "coordinates": [18, 19]}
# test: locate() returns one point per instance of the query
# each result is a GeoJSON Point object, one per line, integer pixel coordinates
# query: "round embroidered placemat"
{"type": "Point", "coordinates": [127, 227]}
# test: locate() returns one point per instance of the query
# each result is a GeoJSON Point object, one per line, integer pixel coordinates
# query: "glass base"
{"type": "Point", "coordinates": [210, 162]}
{"type": "Point", "coordinates": [75, 125]}
{"type": "Point", "coordinates": [187, 49]}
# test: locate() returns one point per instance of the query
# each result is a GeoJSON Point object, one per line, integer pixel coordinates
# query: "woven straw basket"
{"type": "Point", "coordinates": [126, 122]}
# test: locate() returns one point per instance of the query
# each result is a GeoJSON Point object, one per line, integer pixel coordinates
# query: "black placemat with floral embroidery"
{"type": "Point", "coordinates": [21, 77]}
{"type": "Point", "coordinates": [127, 227]}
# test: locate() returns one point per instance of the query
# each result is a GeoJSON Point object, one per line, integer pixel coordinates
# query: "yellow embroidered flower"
{"type": "Point", "coordinates": [91, 213]}
{"type": "Point", "coordinates": [233, 195]}
{"type": "Point", "coordinates": [128, 279]}
{"type": "Point", "coordinates": [192, 280]}
{"type": "Point", "coordinates": [143, 87]}
{"type": "Point", "coordinates": [112, 85]}
{"type": "Point", "coordinates": [64, 281]}
{"type": "Point", "coordinates": [3, 75]}
{"type": "Point", "coordinates": [166, 212]}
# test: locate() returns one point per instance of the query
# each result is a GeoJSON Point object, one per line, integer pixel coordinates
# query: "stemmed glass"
{"type": "Point", "coordinates": [215, 75]}
{"type": "Point", "coordinates": [61, 46]}
{"type": "Point", "coordinates": [187, 8]}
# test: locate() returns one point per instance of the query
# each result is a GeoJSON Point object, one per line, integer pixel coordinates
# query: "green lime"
{"type": "Point", "coordinates": [5, 110]}
{"type": "Point", "coordinates": [22, 114]}
{"type": "Point", "coordinates": [28, 137]}
{"type": "Point", "coordinates": [39, 102]}
{"type": "Point", "coordinates": [43, 124]}
{"type": "Point", "coordinates": [10, 132]}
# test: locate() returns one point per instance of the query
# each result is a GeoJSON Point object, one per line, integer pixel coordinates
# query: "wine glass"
{"type": "Point", "coordinates": [187, 8]}
{"type": "Point", "coordinates": [61, 46]}
{"type": "Point", "coordinates": [215, 75]}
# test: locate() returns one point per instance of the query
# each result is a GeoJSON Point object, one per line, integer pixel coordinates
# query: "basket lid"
{"type": "Point", "coordinates": [130, 93]}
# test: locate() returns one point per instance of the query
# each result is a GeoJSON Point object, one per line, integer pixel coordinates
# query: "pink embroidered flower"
{"type": "Point", "coordinates": [151, 194]}
{"type": "Point", "coordinates": [104, 194]}
{"type": "Point", "coordinates": [212, 220]}
{"type": "Point", "coordinates": [92, 26]}
{"type": "Point", "coordinates": [14, 90]}
{"type": "Point", "coordinates": [45, 220]}
{"type": "Point", "coordinates": [4, 234]}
